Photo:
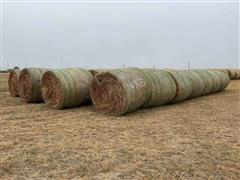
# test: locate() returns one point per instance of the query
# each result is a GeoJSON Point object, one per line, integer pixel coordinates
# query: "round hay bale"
{"type": "Point", "coordinates": [224, 80]}
{"type": "Point", "coordinates": [238, 74]}
{"type": "Point", "coordinates": [119, 91]}
{"type": "Point", "coordinates": [183, 83]}
{"type": "Point", "coordinates": [215, 79]}
{"type": "Point", "coordinates": [229, 73]}
{"type": "Point", "coordinates": [163, 87]}
{"type": "Point", "coordinates": [66, 88]}
{"type": "Point", "coordinates": [30, 84]}
{"type": "Point", "coordinates": [13, 82]}
{"type": "Point", "coordinates": [96, 71]}
{"type": "Point", "coordinates": [198, 83]}
{"type": "Point", "coordinates": [232, 74]}
{"type": "Point", "coordinates": [208, 81]}
{"type": "Point", "coordinates": [223, 70]}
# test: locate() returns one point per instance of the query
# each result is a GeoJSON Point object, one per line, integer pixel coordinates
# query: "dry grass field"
{"type": "Point", "coordinates": [196, 139]}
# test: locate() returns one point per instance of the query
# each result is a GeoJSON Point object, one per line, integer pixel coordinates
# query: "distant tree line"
{"type": "Point", "coordinates": [9, 70]}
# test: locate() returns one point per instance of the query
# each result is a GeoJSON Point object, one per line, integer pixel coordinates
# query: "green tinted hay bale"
{"type": "Point", "coordinates": [163, 87]}
{"type": "Point", "coordinates": [208, 81]}
{"type": "Point", "coordinates": [198, 83]}
{"type": "Point", "coordinates": [13, 82]}
{"type": "Point", "coordinates": [66, 88]}
{"type": "Point", "coordinates": [184, 85]}
{"type": "Point", "coordinates": [30, 84]}
{"type": "Point", "coordinates": [223, 70]}
{"type": "Point", "coordinates": [224, 80]}
{"type": "Point", "coordinates": [215, 79]}
{"type": "Point", "coordinates": [119, 91]}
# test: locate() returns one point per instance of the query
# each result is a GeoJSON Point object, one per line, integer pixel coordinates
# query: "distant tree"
{"type": "Point", "coordinates": [16, 67]}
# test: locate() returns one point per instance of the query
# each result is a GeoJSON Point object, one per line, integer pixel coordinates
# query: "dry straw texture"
{"type": "Point", "coordinates": [208, 81]}
{"type": "Point", "coordinates": [193, 140]}
{"type": "Point", "coordinates": [66, 88]}
{"type": "Point", "coordinates": [184, 85]}
{"type": "Point", "coordinates": [234, 73]}
{"type": "Point", "coordinates": [120, 91]}
{"type": "Point", "coordinates": [198, 83]}
{"type": "Point", "coordinates": [13, 82]}
{"type": "Point", "coordinates": [224, 80]}
{"type": "Point", "coordinates": [162, 86]}
{"type": "Point", "coordinates": [30, 84]}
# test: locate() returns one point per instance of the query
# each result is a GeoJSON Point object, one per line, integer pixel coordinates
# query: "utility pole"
{"type": "Point", "coordinates": [188, 65]}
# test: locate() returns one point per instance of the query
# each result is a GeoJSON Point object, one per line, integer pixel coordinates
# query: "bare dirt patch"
{"type": "Point", "coordinates": [198, 138]}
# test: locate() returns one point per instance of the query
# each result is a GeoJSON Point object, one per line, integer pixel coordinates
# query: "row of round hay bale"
{"type": "Point", "coordinates": [234, 73]}
{"type": "Point", "coordinates": [162, 86]}
{"type": "Point", "coordinates": [197, 82]}
{"type": "Point", "coordinates": [208, 81]}
{"type": "Point", "coordinates": [66, 88]}
{"type": "Point", "coordinates": [29, 84]}
{"type": "Point", "coordinates": [13, 82]}
{"type": "Point", "coordinates": [224, 80]}
{"type": "Point", "coordinates": [119, 91]}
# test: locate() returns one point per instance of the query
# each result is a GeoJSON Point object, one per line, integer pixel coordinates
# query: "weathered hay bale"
{"type": "Point", "coordinates": [235, 74]}
{"type": "Point", "coordinates": [119, 91]}
{"type": "Point", "coordinates": [66, 88]}
{"type": "Point", "coordinates": [163, 87]}
{"type": "Point", "coordinates": [198, 83]}
{"type": "Point", "coordinates": [208, 81]}
{"type": "Point", "coordinates": [238, 74]}
{"type": "Point", "coordinates": [184, 85]}
{"type": "Point", "coordinates": [223, 70]}
{"type": "Point", "coordinates": [13, 82]}
{"type": "Point", "coordinates": [30, 84]}
{"type": "Point", "coordinates": [215, 79]}
{"type": "Point", "coordinates": [232, 74]}
{"type": "Point", "coordinates": [224, 80]}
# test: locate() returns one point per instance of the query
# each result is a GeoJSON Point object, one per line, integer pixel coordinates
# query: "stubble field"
{"type": "Point", "coordinates": [196, 139]}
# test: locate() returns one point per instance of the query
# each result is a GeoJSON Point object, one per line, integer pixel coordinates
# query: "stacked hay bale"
{"type": "Point", "coordinates": [120, 91]}
{"type": "Point", "coordinates": [66, 88]}
{"type": "Point", "coordinates": [29, 84]}
{"type": "Point", "coordinates": [13, 82]}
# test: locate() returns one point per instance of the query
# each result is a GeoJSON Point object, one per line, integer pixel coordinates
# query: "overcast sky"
{"type": "Point", "coordinates": [105, 35]}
